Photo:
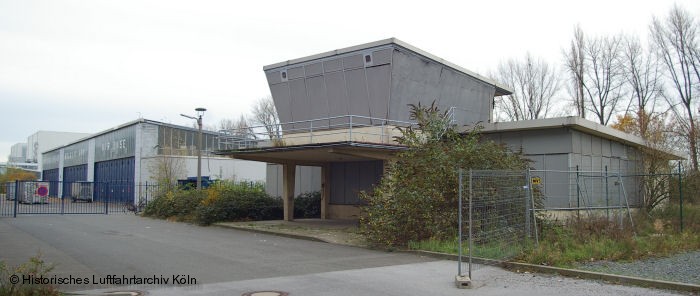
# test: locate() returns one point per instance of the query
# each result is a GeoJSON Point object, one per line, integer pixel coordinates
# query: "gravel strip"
{"type": "Point", "coordinates": [683, 268]}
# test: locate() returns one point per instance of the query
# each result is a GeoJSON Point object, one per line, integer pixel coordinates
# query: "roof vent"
{"type": "Point", "coordinates": [367, 58]}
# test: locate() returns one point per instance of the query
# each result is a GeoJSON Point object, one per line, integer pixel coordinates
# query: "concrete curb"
{"type": "Point", "coordinates": [268, 232]}
{"type": "Point", "coordinates": [619, 279]}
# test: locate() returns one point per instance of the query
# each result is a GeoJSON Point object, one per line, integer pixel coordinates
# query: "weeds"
{"type": "Point", "coordinates": [36, 267]}
{"type": "Point", "coordinates": [577, 240]}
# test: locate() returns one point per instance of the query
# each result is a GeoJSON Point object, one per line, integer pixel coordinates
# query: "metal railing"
{"type": "Point", "coordinates": [322, 130]}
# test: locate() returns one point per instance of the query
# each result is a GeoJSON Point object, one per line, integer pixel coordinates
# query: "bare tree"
{"type": "Point", "coordinates": [675, 40]}
{"type": "Point", "coordinates": [168, 167]}
{"type": "Point", "coordinates": [240, 127]}
{"type": "Point", "coordinates": [603, 76]}
{"type": "Point", "coordinates": [596, 75]}
{"type": "Point", "coordinates": [535, 83]}
{"type": "Point", "coordinates": [643, 79]}
{"type": "Point", "coordinates": [265, 114]}
{"type": "Point", "coordinates": [575, 65]}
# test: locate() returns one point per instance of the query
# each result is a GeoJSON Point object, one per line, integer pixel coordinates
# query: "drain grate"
{"type": "Point", "coordinates": [266, 293]}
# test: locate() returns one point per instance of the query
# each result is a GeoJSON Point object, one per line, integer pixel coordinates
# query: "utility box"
{"type": "Point", "coordinates": [81, 191]}
{"type": "Point", "coordinates": [34, 192]}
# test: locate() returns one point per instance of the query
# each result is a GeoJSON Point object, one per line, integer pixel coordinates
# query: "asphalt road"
{"type": "Point", "coordinates": [229, 262]}
{"type": "Point", "coordinates": [123, 245]}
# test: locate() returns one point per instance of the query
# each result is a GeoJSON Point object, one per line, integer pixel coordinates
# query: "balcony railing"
{"type": "Point", "coordinates": [347, 128]}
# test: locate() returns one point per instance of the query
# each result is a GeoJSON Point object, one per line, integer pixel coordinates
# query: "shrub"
{"type": "Point", "coordinates": [178, 204]}
{"type": "Point", "coordinates": [36, 267]}
{"type": "Point", "coordinates": [417, 198]}
{"type": "Point", "coordinates": [308, 205]}
{"type": "Point", "coordinates": [229, 201]}
{"type": "Point", "coordinates": [238, 202]}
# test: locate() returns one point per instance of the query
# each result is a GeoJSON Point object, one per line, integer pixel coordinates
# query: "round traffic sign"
{"type": "Point", "coordinates": [42, 190]}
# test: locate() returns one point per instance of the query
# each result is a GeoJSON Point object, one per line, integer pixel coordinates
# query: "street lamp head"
{"type": "Point", "coordinates": [200, 109]}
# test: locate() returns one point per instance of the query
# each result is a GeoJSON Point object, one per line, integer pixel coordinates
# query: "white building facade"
{"type": "Point", "coordinates": [134, 154]}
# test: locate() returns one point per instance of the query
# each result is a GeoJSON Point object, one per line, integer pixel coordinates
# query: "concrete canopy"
{"type": "Point", "coordinates": [318, 154]}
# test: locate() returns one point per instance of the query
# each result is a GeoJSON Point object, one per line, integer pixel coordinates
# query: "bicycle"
{"type": "Point", "coordinates": [132, 207]}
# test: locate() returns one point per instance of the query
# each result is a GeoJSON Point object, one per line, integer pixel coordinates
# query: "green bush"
{"type": "Point", "coordinates": [229, 201]}
{"type": "Point", "coordinates": [308, 205]}
{"type": "Point", "coordinates": [417, 198]}
{"type": "Point", "coordinates": [238, 202]}
{"type": "Point", "coordinates": [177, 204]}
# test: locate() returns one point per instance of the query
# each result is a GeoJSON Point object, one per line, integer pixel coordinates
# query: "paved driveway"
{"type": "Point", "coordinates": [230, 262]}
{"type": "Point", "coordinates": [122, 245]}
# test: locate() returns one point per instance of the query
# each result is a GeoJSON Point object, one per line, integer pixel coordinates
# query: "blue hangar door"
{"type": "Point", "coordinates": [115, 179]}
{"type": "Point", "coordinates": [71, 175]}
{"type": "Point", "coordinates": [52, 177]}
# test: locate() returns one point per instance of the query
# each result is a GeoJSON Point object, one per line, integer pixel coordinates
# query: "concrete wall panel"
{"type": "Point", "coordinates": [318, 103]}
{"type": "Point", "coordinates": [273, 77]}
{"type": "Point", "coordinates": [283, 103]}
{"type": "Point", "coordinates": [295, 73]}
{"type": "Point", "coordinates": [314, 69]}
{"type": "Point", "coordinates": [596, 146]}
{"type": "Point", "coordinates": [337, 96]}
{"type": "Point", "coordinates": [606, 147]}
{"type": "Point", "coordinates": [358, 100]}
{"type": "Point", "coordinates": [378, 82]}
{"type": "Point", "coordinates": [576, 142]}
{"type": "Point", "coordinates": [332, 65]}
{"type": "Point", "coordinates": [300, 103]}
{"type": "Point", "coordinates": [381, 57]}
{"type": "Point", "coordinates": [353, 62]}
{"type": "Point", "coordinates": [586, 144]}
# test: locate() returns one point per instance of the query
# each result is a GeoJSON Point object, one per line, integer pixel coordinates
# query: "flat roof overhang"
{"type": "Point", "coordinates": [576, 123]}
{"type": "Point", "coordinates": [317, 154]}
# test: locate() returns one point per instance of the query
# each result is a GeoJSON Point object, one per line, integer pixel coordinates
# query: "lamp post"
{"type": "Point", "coordinates": [198, 118]}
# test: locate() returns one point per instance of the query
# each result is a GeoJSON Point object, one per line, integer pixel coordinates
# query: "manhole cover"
{"type": "Point", "coordinates": [266, 293]}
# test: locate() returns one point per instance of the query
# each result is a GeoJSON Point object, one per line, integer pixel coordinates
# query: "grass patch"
{"type": "Point", "coordinates": [497, 250]}
{"type": "Point", "coordinates": [564, 244]}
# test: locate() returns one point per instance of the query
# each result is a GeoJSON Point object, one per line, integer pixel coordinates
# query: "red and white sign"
{"type": "Point", "coordinates": [42, 189]}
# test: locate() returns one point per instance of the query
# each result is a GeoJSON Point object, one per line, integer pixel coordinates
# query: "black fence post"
{"type": "Point", "coordinates": [106, 198]}
{"type": "Point", "coordinates": [14, 214]}
{"type": "Point", "coordinates": [63, 199]}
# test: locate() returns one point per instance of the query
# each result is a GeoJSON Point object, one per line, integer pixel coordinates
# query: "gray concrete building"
{"type": "Point", "coordinates": [339, 110]}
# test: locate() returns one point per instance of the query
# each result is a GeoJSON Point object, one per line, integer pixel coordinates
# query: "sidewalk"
{"type": "Point", "coordinates": [342, 232]}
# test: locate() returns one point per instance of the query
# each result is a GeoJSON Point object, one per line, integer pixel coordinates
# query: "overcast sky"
{"type": "Point", "coordinates": [86, 66]}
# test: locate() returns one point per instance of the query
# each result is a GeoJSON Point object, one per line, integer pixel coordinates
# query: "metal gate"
{"type": "Point", "coordinates": [53, 197]}
{"type": "Point", "coordinates": [496, 219]}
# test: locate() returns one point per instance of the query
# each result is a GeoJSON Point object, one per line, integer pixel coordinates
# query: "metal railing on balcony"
{"type": "Point", "coordinates": [347, 128]}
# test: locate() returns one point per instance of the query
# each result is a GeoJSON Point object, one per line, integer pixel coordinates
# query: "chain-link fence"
{"type": "Point", "coordinates": [499, 210]}
{"type": "Point", "coordinates": [496, 220]}
{"type": "Point", "coordinates": [581, 194]}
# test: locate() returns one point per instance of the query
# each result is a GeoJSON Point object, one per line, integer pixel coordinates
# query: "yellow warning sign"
{"type": "Point", "coordinates": [536, 180]}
